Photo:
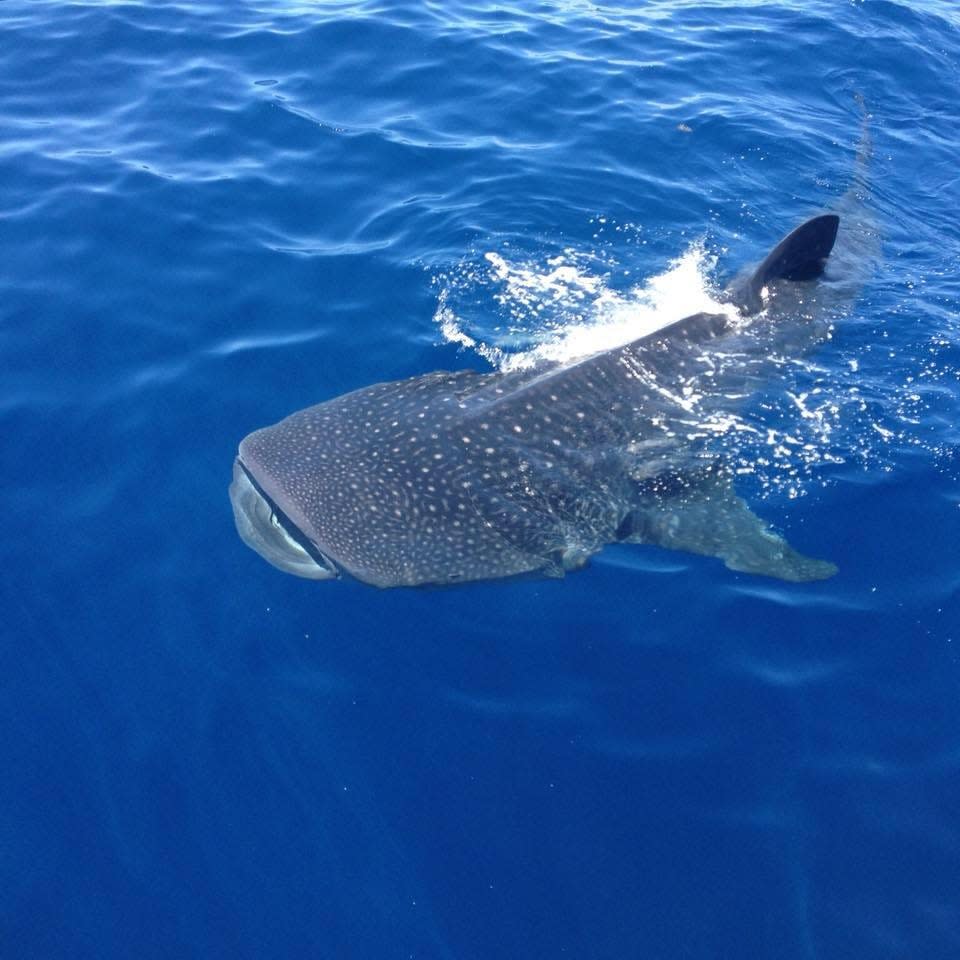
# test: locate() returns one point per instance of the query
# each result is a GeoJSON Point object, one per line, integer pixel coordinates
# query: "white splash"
{"type": "Point", "coordinates": [518, 311]}
{"type": "Point", "coordinates": [572, 311]}
{"type": "Point", "coordinates": [452, 332]}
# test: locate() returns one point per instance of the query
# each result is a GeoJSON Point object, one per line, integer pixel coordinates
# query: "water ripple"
{"type": "Point", "coordinates": [213, 214]}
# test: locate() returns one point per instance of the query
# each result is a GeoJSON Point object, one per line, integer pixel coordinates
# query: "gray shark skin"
{"type": "Point", "coordinates": [453, 477]}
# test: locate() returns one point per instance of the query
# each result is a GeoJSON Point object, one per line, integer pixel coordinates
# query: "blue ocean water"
{"type": "Point", "coordinates": [213, 214]}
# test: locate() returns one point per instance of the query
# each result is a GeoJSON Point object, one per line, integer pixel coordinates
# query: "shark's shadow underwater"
{"type": "Point", "coordinates": [451, 477]}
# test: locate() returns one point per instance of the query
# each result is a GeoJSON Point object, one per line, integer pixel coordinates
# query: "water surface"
{"type": "Point", "coordinates": [214, 214]}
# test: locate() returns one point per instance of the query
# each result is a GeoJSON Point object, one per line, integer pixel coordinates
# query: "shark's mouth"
{"type": "Point", "coordinates": [265, 528]}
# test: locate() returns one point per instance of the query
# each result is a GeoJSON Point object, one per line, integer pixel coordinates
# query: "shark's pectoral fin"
{"type": "Point", "coordinates": [710, 519]}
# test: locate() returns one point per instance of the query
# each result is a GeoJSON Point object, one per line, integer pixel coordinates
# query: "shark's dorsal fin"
{"type": "Point", "coordinates": [800, 255]}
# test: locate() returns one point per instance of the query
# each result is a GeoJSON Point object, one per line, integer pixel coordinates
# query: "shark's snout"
{"type": "Point", "coordinates": [266, 529]}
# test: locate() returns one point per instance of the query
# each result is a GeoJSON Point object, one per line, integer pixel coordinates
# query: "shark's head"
{"type": "Point", "coordinates": [380, 486]}
{"type": "Point", "coordinates": [266, 528]}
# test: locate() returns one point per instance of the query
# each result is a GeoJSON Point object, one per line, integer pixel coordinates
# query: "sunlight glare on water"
{"type": "Point", "coordinates": [564, 306]}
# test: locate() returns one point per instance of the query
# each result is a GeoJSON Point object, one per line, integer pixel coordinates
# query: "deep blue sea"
{"type": "Point", "coordinates": [213, 214]}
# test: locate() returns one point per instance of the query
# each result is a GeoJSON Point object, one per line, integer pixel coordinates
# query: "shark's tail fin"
{"type": "Point", "coordinates": [800, 255]}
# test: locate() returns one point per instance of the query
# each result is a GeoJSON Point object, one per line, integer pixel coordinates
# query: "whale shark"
{"type": "Point", "coordinates": [451, 477]}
